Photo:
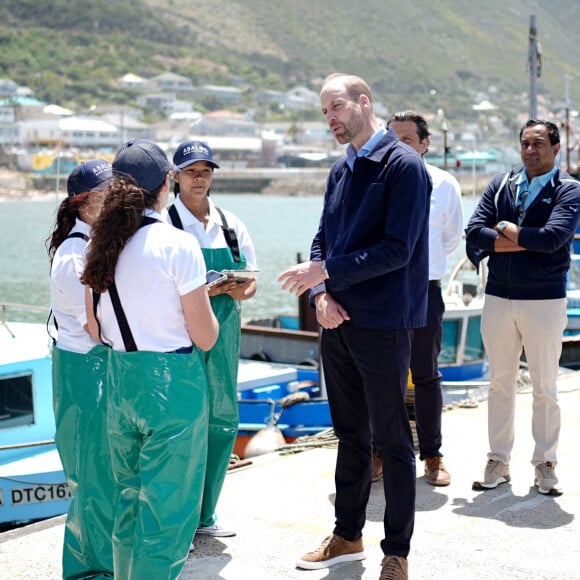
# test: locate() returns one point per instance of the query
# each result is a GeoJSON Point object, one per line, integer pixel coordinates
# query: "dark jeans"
{"type": "Point", "coordinates": [425, 350]}
{"type": "Point", "coordinates": [366, 379]}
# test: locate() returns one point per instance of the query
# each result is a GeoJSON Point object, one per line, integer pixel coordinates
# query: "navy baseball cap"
{"type": "Point", "coordinates": [89, 176]}
{"type": "Point", "coordinates": [192, 152]}
{"type": "Point", "coordinates": [144, 161]}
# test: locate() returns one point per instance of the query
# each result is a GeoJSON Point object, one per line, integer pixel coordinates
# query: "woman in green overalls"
{"type": "Point", "coordinates": [226, 245]}
{"type": "Point", "coordinates": [79, 366]}
{"type": "Point", "coordinates": [151, 306]}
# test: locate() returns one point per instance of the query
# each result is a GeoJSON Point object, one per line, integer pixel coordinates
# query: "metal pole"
{"type": "Point", "coordinates": [444, 129]}
{"type": "Point", "coordinates": [57, 188]}
{"type": "Point", "coordinates": [533, 56]}
{"type": "Point", "coordinates": [567, 101]}
{"type": "Point", "coordinates": [473, 165]}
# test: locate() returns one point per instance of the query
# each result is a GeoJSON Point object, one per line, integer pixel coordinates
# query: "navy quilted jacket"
{"type": "Point", "coordinates": [547, 232]}
{"type": "Point", "coordinates": [373, 235]}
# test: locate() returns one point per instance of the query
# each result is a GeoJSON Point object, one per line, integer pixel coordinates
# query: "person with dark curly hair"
{"type": "Point", "coordinates": [150, 305]}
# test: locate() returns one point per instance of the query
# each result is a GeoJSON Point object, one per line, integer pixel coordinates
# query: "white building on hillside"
{"type": "Point", "coordinates": [167, 82]}
{"type": "Point", "coordinates": [132, 81]}
{"type": "Point", "coordinates": [227, 95]}
{"type": "Point", "coordinates": [82, 132]}
{"type": "Point", "coordinates": [302, 99]}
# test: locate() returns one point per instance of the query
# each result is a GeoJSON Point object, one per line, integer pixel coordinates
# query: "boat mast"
{"type": "Point", "coordinates": [535, 62]}
{"type": "Point", "coordinates": [568, 148]}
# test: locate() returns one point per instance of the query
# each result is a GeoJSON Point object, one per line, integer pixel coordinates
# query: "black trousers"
{"type": "Point", "coordinates": [425, 351]}
{"type": "Point", "coordinates": [366, 373]}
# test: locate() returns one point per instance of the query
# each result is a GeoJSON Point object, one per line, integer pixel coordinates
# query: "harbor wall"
{"type": "Point", "coordinates": [291, 181]}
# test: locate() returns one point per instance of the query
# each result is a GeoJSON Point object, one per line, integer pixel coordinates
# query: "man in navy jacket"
{"type": "Point", "coordinates": [369, 276]}
{"type": "Point", "coordinates": [525, 222]}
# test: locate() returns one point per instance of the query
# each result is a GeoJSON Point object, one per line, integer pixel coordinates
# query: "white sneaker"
{"type": "Point", "coordinates": [546, 480]}
{"type": "Point", "coordinates": [495, 473]}
{"type": "Point", "coordinates": [214, 531]}
{"type": "Point", "coordinates": [191, 547]}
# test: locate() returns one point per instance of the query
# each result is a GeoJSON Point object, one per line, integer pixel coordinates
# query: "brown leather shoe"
{"type": "Point", "coordinates": [394, 568]}
{"type": "Point", "coordinates": [435, 471]}
{"type": "Point", "coordinates": [333, 550]}
{"type": "Point", "coordinates": [377, 466]}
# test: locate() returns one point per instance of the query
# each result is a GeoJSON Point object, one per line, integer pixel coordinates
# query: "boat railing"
{"type": "Point", "coordinates": [26, 445]}
{"type": "Point", "coordinates": [455, 286]}
{"type": "Point", "coordinates": [8, 308]}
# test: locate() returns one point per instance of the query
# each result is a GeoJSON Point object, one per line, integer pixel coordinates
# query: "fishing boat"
{"type": "Point", "coordinates": [294, 339]}
{"type": "Point", "coordinates": [573, 296]}
{"type": "Point", "coordinates": [571, 340]}
{"type": "Point", "coordinates": [296, 404]}
{"type": "Point", "coordinates": [32, 482]}
{"type": "Point", "coordinates": [278, 403]}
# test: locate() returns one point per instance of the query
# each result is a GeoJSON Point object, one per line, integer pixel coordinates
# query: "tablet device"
{"type": "Point", "coordinates": [241, 275]}
{"type": "Point", "coordinates": [214, 277]}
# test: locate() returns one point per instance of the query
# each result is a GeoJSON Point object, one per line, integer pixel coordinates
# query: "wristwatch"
{"type": "Point", "coordinates": [326, 276]}
{"type": "Point", "coordinates": [502, 226]}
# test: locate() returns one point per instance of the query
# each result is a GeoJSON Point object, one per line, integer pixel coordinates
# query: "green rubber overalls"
{"type": "Point", "coordinates": [222, 375]}
{"type": "Point", "coordinates": [80, 410]}
{"type": "Point", "coordinates": [157, 415]}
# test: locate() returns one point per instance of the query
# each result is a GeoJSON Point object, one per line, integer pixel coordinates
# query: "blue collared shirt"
{"type": "Point", "coordinates": [537, 184]}
{"type": "Point", "coordinates": [366, 149]}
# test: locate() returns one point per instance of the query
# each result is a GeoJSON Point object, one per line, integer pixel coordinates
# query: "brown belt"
{"type": "Point", "coordinates": [434, 283]}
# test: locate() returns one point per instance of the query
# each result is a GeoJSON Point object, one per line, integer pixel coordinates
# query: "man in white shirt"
{"type": "Point", "coordinates": [445, 231]}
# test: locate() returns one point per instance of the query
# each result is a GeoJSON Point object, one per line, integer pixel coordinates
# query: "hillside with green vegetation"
{"type": "Point", "coordinates": [414, 53]}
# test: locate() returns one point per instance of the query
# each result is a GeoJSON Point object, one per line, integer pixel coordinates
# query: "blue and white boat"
{"type": "Point", "coordinates": [279, 385]}
{"type": "Point", "coordinates": [573, 296]}
{"type": "Point", "coordinates": [32, 482]}
{"type": "Point", "coordinates": [296, 402]}
{"type": "Point", "coordinates": [462, 357]}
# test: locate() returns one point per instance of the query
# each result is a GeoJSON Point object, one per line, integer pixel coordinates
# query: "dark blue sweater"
{"type": "Point", "coordinates": [373, 235]}
{"type": "Point", "coordinates": [547, 232]}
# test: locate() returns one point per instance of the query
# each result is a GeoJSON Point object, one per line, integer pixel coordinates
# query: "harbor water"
{"type": "Point", "coordinates": [281, 227]}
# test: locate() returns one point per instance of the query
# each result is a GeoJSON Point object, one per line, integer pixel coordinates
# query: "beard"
{"type": "Point", "coordinates": [350, 128]}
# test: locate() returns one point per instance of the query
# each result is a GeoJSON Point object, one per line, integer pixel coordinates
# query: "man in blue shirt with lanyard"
{"type": "Point", "coordinates": [525, 222]}
{"type": "Point", "coordinates": [369, 276]}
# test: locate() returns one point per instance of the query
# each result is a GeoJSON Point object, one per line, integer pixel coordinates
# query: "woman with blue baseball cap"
{"type": "Point", "coordinates": [78, 376]}
{"type": "Point", "coordinates": [150, 305]}
{"type": "Point", "coordinates": [226, 245]}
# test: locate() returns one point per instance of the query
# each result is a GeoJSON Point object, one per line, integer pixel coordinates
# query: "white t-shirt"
{"type": "Point", "coordinates": [445, 220]}
{"type": "Point", "coordinates": [67, 294]}
{"type": "Point", "coordinates": [212, 236]}
{"type": "Point", "coordinates": [158, 265]}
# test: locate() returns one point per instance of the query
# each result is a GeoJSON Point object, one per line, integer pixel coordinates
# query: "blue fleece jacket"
{"type": "Point", "coordinates": [547, 232]}
{"type": "Point", "coordinates": [373, 234]}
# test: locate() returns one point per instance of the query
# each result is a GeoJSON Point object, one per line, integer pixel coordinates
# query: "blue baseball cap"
{"type": "Point", "coordinates": [192, 152]}
{"type": "Point", "coordinates": [144, 161]}
{"type": "Point", "coordinates": [89, 176]}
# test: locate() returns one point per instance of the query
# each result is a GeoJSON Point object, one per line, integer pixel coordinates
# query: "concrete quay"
{"type": "Point", "coordinates": [282, 506]}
